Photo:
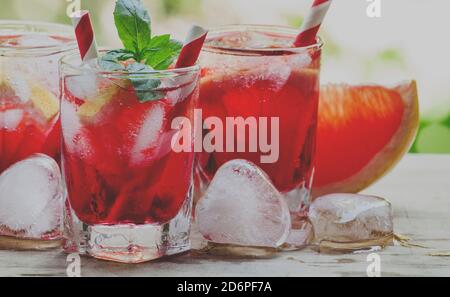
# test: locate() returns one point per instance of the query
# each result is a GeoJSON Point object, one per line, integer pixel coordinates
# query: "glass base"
{"type": "Point", "coordinates": [128, 243]}
{"type": "Point", "coordinates": [133, 243]}
{"type": "Point", "coordinates": [301, 233]}
{"type": "Point", "coordinates": [298, 199]}
{"type": "Point", "coordinates": [23, 244]}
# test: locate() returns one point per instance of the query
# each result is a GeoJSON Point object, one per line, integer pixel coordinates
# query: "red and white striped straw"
{"type": "Point", "coordinates": [311, 25]}
{"type": "Point", "coordinates": [192, 47]}
{"type": "Point", "coordinates": [84, 33]}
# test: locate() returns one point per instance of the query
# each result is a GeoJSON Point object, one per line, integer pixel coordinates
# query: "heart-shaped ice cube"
{"type": "Point", "coordinates": [242, 207]}
{"type": "Point", "coordinates": [31, 197]}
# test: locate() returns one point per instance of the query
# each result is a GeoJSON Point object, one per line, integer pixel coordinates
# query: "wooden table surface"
{"type": "Point", "coordinates": [419, 189]}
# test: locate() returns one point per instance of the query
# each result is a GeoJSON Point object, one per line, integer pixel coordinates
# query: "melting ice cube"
{"type": "Point", "coordinates": [75, 138]}
{"type": "Point", "coordinates": [19, 85]}
{"type": "Point", "coordinates": [10, 119]}
{"type": "Point", "coordinates": [31, 197]}
{"type": "Point", "coordinates": [242, 207]}
{"type": "Point", "coordinates": [83, 86]}
{"type": "Point", "coordinates": [148, 135]}
{"type": "Point", "coordinates": [352, 219]}
{"type": "Point", "coordinates": [180, 88]}
{"type": "Point", "coordinates": [252, 40]}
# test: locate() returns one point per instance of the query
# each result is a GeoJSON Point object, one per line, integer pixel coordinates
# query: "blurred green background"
{"type": "Point", "coordinates": [382, 50]}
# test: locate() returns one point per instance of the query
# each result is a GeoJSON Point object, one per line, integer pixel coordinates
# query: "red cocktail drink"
{"type": "Point", "coordinates": [118, 160]}
{"type": "Point", "coordinates": [30, 192]}
{"type": "Point", "coordinates": [29, 104]}
{"type": "Point", "coordinates": [123, 177]}
{"type": "Point", "coordinates": [122, 113]}
{"type": "Point", "coordinates": [254, 72]}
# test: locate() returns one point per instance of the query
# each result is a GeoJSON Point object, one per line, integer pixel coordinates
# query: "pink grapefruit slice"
{"type": "Point", "coordinates": [363, 131]}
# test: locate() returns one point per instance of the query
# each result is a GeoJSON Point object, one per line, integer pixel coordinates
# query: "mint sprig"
{"type": "Point", "coordinates": [161, 52]}
{"type": "Point", "coordinates": [133, 24]}
{"type": "Point", "coordinates": [111, 61]}
{"type": "Point", "coordinates": [144, 87]}
{"type": "Point", "coordinates": [147, 53]}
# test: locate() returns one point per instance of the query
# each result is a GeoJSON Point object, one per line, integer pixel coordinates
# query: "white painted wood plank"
{"type": "Point", "coordinates": [419, 189]}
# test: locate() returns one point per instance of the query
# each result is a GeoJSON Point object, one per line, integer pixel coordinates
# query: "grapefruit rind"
{"type": "Point", "coordinates": [392, 153]}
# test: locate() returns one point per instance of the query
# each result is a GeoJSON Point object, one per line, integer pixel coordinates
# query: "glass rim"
{"type": "Point", "coordinates": [259, 51]}
{"type": "Point", "coordinates": [65, 61]}
{"type": "Point", "coordinates": [18, 26]}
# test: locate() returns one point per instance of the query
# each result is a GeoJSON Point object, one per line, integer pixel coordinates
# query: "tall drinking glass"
{"type": "Point", "coordinates": [254, 72]}
{"type": "Point", "coordinates": [29, 124]}
{"type": "Point", "coordinates": [129, 193]}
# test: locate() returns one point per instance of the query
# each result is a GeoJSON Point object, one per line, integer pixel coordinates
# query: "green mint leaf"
{"type": "Point", "coordinates": [158, 53]}
{"type": "Point", "coordinates": [144, 87]}
{"type": "Point", "coordinates": [174, 49]}
{"type": "Point", "coordinates": [111, 60]}
{"type": "Point", "coordinates": [162, 52]}
{"type": "Point", "coordinates": [133, 25]}
{"type": "Point", "coordinates": [156, 45]}
{"type": "Point", "coordinates": [158, 42]}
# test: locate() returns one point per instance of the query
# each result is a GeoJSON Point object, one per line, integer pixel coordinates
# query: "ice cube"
{"type": "Point", "coordinates": [256, 40]}
{"type": "Point", "coordinates": [277, 73]}
{"type": "Point", "coordinates": [252, 40]}
{"type": "Point", "coordinates": [242, 207]}
{"type": "Point", "coordinates": [179, 88]}
{"type": "Point", "coordinates": [83, 86]}
{"type": "Point", "coordinates": [171, 90]}
{"type": "Point", "coordinates": [74, 137]}
{"type": "Point", "coordinates": [71, 124]}
{"type": "Point", "coordinates": [351, 219]}
{"type": "Point", "coordinates": [20, 86]}
{"type": "Point", "coordinates": [149, 134]}
{"type": "Point", "coordinates": [11, 118]}
{"type": "Point", "coordinates": [31, 197]}
{"type": "Point", "coordinates": [300, 61]}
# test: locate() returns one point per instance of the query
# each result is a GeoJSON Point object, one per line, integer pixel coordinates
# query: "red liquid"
{"type": "Point", "coordinates": [108, 180]}
{"type": "Point", "coordinates": [250, 92]}
{"type": "Point", "coordinates": [24, 129]}
{"type": "Point", "coordinates": [31, 136]}
{"type": "Point", "coordinates": [29, 120]}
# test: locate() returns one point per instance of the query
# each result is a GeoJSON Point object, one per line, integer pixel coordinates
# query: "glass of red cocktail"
{"type": "Point", "coordinates": [29, 88]}
{"type": "Point", "coordinates": [252, 73]}
{"type": "Point", "coordinates": [129, 194]}
{"type": "Point", "coordinates": [29, 116]}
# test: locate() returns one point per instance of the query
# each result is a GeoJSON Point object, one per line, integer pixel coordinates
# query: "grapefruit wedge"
{"type": "Point", "coordinates": [363, 131]}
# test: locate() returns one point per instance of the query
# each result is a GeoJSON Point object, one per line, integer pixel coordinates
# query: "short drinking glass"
{"type": "Point", "coordinates": [30, 217]}
{"type": "Point", "coordinates": [129, 194]}
{"type": "Point", "coordinates": [253, 72]}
